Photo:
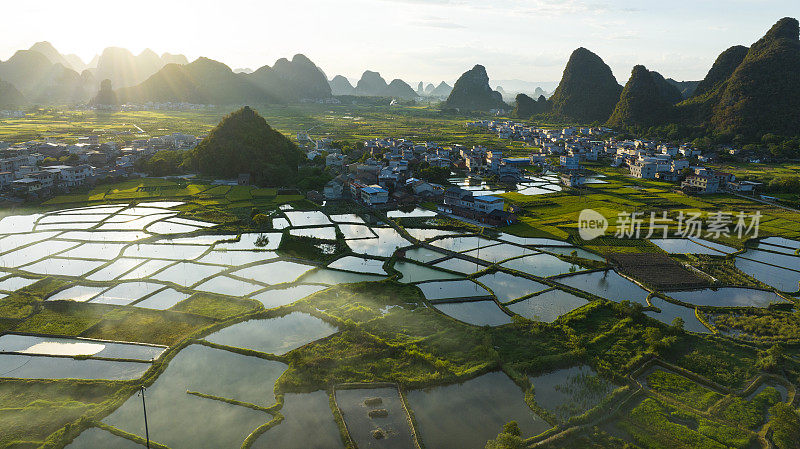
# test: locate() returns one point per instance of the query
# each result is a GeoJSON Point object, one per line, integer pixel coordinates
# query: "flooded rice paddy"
{"type": "Point", "coordinates": [141, 257]}
{"type": "Point", "coordinates": [466, 415]}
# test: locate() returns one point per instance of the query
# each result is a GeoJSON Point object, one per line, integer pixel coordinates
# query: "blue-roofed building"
{"type": "Point", "coordinates": [374, 194]}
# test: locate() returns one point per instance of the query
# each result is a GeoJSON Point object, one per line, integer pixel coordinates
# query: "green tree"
{"type": "Point", "coordinates": [509, 438]}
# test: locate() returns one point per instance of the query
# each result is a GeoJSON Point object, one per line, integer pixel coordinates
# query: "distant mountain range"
{"type": "Point", "coordinates": [206, 81]}
{"type": "Point", "coordinates": [748, 91]}
{"type": "Point", "coordinates": [43, 75]}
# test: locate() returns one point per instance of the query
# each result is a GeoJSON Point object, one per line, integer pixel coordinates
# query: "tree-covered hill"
{"type": "Point", "coordinates": [473, 93]}
{"type": "Point", "coordinates": [762, 94]}
{"type": "Point", "coordinates": [644, 100]}
{"type": "Point", "coordinates": [588, 90]}
{"type": "Point", "coordinates": [243, 142]}
{"type": "Point", "coordinates": [722, 69]}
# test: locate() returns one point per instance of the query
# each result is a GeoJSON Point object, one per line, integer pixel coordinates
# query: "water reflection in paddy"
{"type": "Point", "coordinates": [126, 293]}
{"type": "Point", "coordinates": [728, 297]}
{"type": "Point", "coordinates": [307, 218]}
{"type": "Point", "coordinates": [607, 284]}
{"type": "Point", "coordinates": [274, 335]}
{"type": "Point", "coordinates": [423, 255]}
{"type": "Point", "coordinates": [283, 296]}
{"type": "Point", "coordinates": [180, 420]}
{"type": "Point", "coordinates": [326, 233]}
{"type": "Point", "coordinates": [356, 231]}
{"type": "Point", "coordinates": [460, 265]}
{"type": "Point", "coordinates": [466, 415]}
{"type": "Point", "coordinates": [428, 233]}
{"type": "Point", "coordinates": [334, 277]}
{"type": "Point", "coordinates": [308, 424]}
{"type": "Point", "coordinates": [358, 265]}
{"type": "Point", "coordinates": [572, 251]}
{"type": "Point", "coordinates": [419, 273]}
{"type": "Point", "coordinates": [497, 253]}
{"type": "Point", "coordinates": [460, 244]}
{"type": "Point", "coordinates": [671, 311]}
{"type": "Point", "coordinates": [225, 285]}
{"type": "Point", "coordinates": [782, 279]}
{"type": "Point", "coordinates": [384, 246]}
{"type": "Point", "coordinates": [112, 350]}
{"type": "Point", "coordinates": [40, 367]}
{"type": "Point", "coordinates": [253, 241]}
{"type": "Point", "coordinates": [236, 258]}
{"type": "Point", "coordinates": [547, 306]}
{"type": "Point", "coordinates": [63, 267]}
{"type": "Point", "coordinates": [543, 265]}
{"type": "Point", "coordinates": [507, 287]}
{"type": "Point", "coordinates": [14, 283]}
{"type": "Point", "coordinates": [478, 313]}
{"type": "Point", "coordinates": [163, 300]}
{"type": "Point", "coordinates": [274, 272]}
{"type": "Point", "coordinates": [346, 218]}
{"type": "Point", "coordinates": [452, 289]}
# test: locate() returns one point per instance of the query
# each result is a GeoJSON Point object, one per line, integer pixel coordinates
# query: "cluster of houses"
{"type": "Point", "coordinates": [645, 159]}
{"type": "Point", "coordinates": [11, 114]}
{"type": "Point", "coordinates": [533, 135]}
{"type": "Point", "coordinates": [153, 106]}
{"type": "Point", "coordinates": [385, 176]}
{"type": "Point", "coordinates": [38, 169]}
{"type": "Point", "coordinates": [650, 160]}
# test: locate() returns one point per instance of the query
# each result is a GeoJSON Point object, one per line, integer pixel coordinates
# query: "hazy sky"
{"type": "Point", "coordinates": [415, 40]}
